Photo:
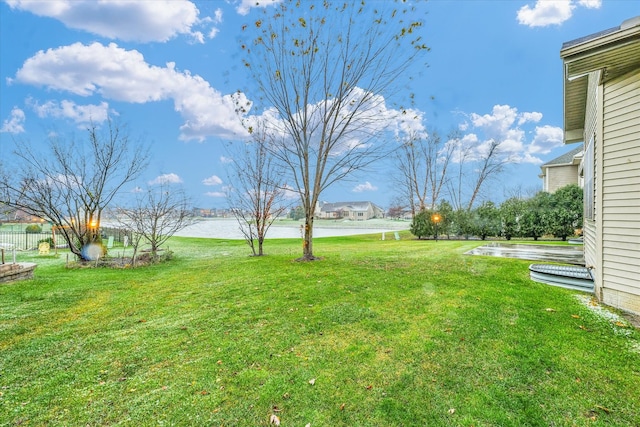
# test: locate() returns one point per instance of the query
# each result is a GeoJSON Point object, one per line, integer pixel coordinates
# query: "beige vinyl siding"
{"type": "Point", "coordinates": [589, 231]}
{"type": "Point", "coordinates": [561, 176]}
{"type": "Point", "coordinates": [621, 190]}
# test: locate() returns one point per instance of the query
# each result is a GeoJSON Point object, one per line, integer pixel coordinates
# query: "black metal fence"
{"type": "Point", "coordinates": [24, 241]}
{"type": "Point", "coordinates": [29, 241]}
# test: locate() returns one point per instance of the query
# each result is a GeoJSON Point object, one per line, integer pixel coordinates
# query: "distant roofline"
{"type": "Point", "coordinates": [565, 159]}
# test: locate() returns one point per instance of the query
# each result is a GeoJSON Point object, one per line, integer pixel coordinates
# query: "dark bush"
{"type": "Point", "coordinates": [33, 229]}
{"type": "Point", "coordinates": [48, 240]}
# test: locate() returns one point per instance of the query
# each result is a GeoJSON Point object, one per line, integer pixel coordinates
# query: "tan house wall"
{"type": "Point", "coordinates": [560, 176]}
{"type": "Point", "coordinates": [620, 202]}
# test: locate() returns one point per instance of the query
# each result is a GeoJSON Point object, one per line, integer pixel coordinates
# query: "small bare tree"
{"type": "Point", "coordinates": [71, 184]}
{"type": "Point", "coordinates": [323, 69]}
{"type": "Point", "coordinates": [258, 195]}
{"type": "Point", "coordinates": [422, 162]}
{"type": "Point", "coordinates": [156, 215]}
{"type": "Point", "coordinates": [478, 163]}
{"type": "Point", "coordinates": [492, 163]}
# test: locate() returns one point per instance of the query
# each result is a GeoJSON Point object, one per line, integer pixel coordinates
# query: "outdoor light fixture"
{"type": "Point", "coordinates": [436, 218]}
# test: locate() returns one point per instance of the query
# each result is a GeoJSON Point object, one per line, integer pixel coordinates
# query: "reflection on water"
{"type": "Point", "coordinates": [555, 253]}
{"type": "Point", "coordinates": [227, 228]}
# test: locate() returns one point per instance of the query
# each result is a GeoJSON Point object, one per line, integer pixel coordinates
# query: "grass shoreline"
{"type": "Point", "coordinates": [379, 333]}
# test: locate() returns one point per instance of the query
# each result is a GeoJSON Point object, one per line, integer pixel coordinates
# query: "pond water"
{"type": "Point", "coordinates": [553, 253]}
{"type": "Point", "coordinates": [227, 228]}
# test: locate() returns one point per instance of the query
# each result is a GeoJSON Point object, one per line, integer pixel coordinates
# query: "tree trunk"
{"type": "Point", "coordinates": [307, 243]}
{"type": "Point", "coordinates": [260, 251]}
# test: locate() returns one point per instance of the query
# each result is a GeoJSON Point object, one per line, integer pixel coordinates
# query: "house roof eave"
{"type": "Point", "coordinates": [615, 52]}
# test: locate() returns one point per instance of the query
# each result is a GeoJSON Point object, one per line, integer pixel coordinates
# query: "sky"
{"type": "Point", "coordinates": [168, 70]}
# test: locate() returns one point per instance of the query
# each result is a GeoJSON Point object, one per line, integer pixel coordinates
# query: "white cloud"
{"type": "Point", "coordinates": [217, 16]}
{"type": "Point", "coordinates": [552, 12]}
{"type": "Point", "coordinates": [370, 120]}
{"type": "Point", "coordinates": [546, 139]}
{"type": "Point", "coordinates": [123, 75]}
{"type": "Point", "coordinates": [81, 114]}
{"type": "Point", "coordinates": [140, 21]}
{"type": "Point", "coordinates": [15, 123]}
{"type": "Point", "coordinates": [504, 127]}
{"type": "Point", "coordinates": [290, 193]}
{"type": "Point", "coordinates": [367, 186]}
{"type": "Point", "coordinates": [498, 122]}
{"type": "Point", "coordinates": [212, 180]}
{"type": "Point", "coordinates": [546, 12]}
{"type": "Point", "coordinates": [225, 160]}
{"type": "Point", "coordinates": [167, 178]}
{"type": "Point", "coordinates": [215, 194]}
{"type": "Point", "coordinates": [590, 4]}
{"type": "Point", "coordinates": [529, 117]}
{"type": "Point", "coordinates": [245, 5]}
{"type": "Point", "coordinates": [137, 190]}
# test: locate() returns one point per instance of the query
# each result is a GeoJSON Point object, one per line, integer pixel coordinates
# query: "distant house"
{"type": "Point", "coordinates": [602, 109]}
{"type": "Point", "coordinates": [562, 171]}
{"type": "Point", "coordinates": [356, 211]}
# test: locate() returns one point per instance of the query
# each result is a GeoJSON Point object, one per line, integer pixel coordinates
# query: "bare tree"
{"type": "Point", "coordinates": [156, 215]}
{"type": "Point", "coordinates": [258, 195]}
{"type": "Point", "coordinates": [322, 69]}
{"type": "Point", "coordinates": [478, 163]}
{"type": "Point", "coordinates": [412, 177]}
{"type": "Point", "coordinates": [72, 184]}
{"type": "Point", "coordinates": [422, 162]}
{"type": "Point", "coordinates": [492, 163]}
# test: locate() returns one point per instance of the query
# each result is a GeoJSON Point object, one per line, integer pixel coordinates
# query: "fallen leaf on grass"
{"type": "Point", "coordinates": [342, 407]}
{"type": "Point", "coordinates": [575, 316]}
{"type": "Point", "coordinates": [607, 410]}
{"type": "Point", "coordinates": [307, 425]}
{"type": "Point", "coordinates": [452, 411]}
{"type": "Point", "coordinates": [204, 392]}
{"type": "Point", "coordinates": [369, 387]}
{"type": "Point", "coordinates": [620, 324]}
{"type": "Point", "coordinates": [550, 310]}
{"type": "Point", "coordinates": [312, 381]}
{"type": "Point", "coordinates": [273, 419]}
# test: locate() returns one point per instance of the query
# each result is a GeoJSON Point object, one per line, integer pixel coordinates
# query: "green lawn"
{"type": "Point", "coordinates": [379, 333]}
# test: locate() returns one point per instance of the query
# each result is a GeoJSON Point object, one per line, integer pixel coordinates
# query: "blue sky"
{"type": "Point", "coordinates": [168, 69]}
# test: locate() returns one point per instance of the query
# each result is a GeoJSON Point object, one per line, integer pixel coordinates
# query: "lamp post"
{"type": "Point", "coordinates": [436, 218]}
{"type": "Point", "coordinates": [93, 226]}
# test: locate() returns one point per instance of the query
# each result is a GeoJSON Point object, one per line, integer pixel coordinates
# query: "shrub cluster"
{"type": "Point", "coordinates": [559, 214]}
{"type": "Point", "coordinates": [33, 229]}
